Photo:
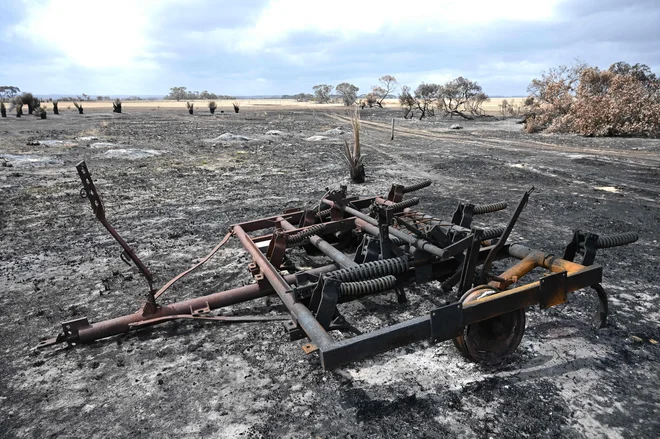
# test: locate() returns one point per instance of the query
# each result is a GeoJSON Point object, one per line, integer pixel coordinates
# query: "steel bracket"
{"type": "Point", "coordinates": [324, 301]}
{"type": "Point", "coordinates": [447, 321]}
{"type": "Point", "coordinates": [553, 290]}
{"type": "Point", "coordinates": [72, 327]}
{"type": "Point", "coordinates": [277, 249]}
{"type": "Point", "coordinates": [396, 193]}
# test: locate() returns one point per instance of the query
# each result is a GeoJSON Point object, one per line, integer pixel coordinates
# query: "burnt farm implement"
{"type": "Point", "coordinates": [377, 245]}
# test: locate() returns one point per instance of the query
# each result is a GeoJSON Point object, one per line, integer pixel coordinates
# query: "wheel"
{"type": "Point", "coordinates": [459, 341]}
{"type": "Point", "coordinates": [490, 341]}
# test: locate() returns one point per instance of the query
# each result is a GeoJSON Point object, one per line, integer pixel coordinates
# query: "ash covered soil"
{"type": "Point", "coordinates": [172, 185]}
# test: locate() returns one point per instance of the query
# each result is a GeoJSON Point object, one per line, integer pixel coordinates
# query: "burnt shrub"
{"type": "Point", "coordinates": [621, 101]}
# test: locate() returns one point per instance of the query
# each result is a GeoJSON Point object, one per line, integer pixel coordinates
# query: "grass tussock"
{"type": "Point", "coordinates": [353, 155]}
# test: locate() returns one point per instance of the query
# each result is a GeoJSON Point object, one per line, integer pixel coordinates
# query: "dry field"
{"type": "Point", "coordinates": [172, 189]}
{"type": "Point", "coordinates": [491, 107]}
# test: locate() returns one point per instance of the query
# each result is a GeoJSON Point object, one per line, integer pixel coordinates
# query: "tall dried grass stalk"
{"type": "Point", "coordinates": [353, 156]}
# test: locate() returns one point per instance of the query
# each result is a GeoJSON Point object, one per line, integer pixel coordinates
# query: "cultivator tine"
{"type": "Point", "coordinates": [502, 239]}
{"type": "Point", "coordinates": [396, 246]}
{"type": "Point", "coordinates": [471, 260]}
{"type": "Point", "coordinates": [89, 191]}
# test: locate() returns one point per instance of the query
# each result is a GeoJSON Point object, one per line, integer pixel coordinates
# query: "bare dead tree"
{"type": "Point", "coordinates": [348, 93]}
{"type": "Point", "coordinates": [426, 96]}
{"type": "Point", "coordinates": [407, 101]}
{"type": "Point", "coordinates": [387, 86]}
{"type": "Point", "coordinates": [322, 93]}
{"type": "Point", "coordinates": [474, 104]}
{"type": "Point", "coordinates": [460, 95]}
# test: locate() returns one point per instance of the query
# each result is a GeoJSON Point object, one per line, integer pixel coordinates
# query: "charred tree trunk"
{"type": "Point", "coordinates": [3, 112]}
{"type": "Point", "coordinates": [423, 109]}
{"type": "Point", "coordinates": [190, 111]}
{"type": "Point", "coordinates": [42, 115]}
{"type": "Point", "coordinates": [55, 109]}
{"type": "Point", "coordinates": [357, 174]}
{"type": "Point", "coordinates": [463, 115]}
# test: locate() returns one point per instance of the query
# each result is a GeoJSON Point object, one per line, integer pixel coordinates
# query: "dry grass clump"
{"type": "Point", "coordinates": [353, 156]}
{"type": "Point", "coordinates": [40, 112]}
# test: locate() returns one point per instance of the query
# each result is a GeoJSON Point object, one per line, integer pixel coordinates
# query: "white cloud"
{"type": "Point", "coordinates": [92, 34]}
{"type": "Point", "coordinates": [350, 18]}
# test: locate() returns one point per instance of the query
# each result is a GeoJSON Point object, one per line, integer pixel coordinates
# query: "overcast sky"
{"type": "Point", "coordinates": [253, 47]}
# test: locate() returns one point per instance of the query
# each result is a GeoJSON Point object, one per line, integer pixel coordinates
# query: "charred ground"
{"type": "Point", "coordinates": [172, 185]}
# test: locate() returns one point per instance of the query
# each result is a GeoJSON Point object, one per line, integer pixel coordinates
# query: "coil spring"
{"type": "Point", "coordinates": [397, 241]}
{"type": "Point", "coordinates": [416, 187]}
{"type": "Point", "coordinates": [493, 233]}
{"type": "Point", "coordinates": [489, 208]}
{"type": "Point", "coordinates": [300, 236]}
{"type": "Point", "coordinates": [617, 240]}
{"type": "Point", "coordinates": [322, 214]}
{"type": "Point", "coordinates": [371, 270]}
{"type": "Point", "coordinates": [367, 286]}
{"type": "Point", "coordinates": [398, 207]}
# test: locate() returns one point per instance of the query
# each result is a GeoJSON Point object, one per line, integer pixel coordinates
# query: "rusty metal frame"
{"type": "Point", "coordinates": [411, 246]}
